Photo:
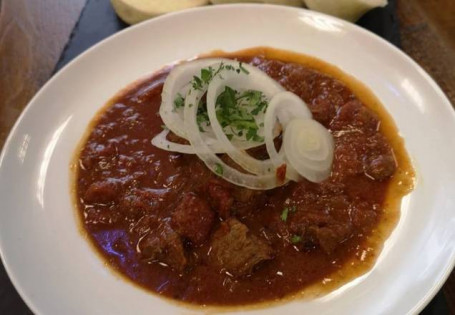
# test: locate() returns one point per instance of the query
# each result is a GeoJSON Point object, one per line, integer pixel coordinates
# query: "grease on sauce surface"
{"type": "Point", "coordinates": [167, 223]}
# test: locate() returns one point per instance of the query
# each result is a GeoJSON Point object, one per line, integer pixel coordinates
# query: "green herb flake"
{"type": "Point", "coordinates": [284, 214]}
{"type": "Point", "coordinates": [197, 83]}
{"type": "Point", "coordinates": [296, 239]}
{"type": "Point", "coordinates": [226, 98]}
{"type": "Point", "coordinates": [220, 68]}
{"type": "Point", "coordinates": [251, 134]}
{"type": "Point", "coordinates": [206, 74]}
{"type": "Point", "coordinates": [219, 169]}
{"type": "Point", "coordinates": [236, 111]}
{"type": "Point", "coordinates": [258, 138]}
{"type": "Point", "coordinates": [179, 101]}
{"type": "Point", "coordinates": [164, 127]}
{"type": "Point", "coordinates": [243, 69]}
{"type": "Point", "coordinates": [202, 117]}
{"type": "Point", "coordinates": [230, 136]}
{"type": "Point", "coordinates": [259, 107]}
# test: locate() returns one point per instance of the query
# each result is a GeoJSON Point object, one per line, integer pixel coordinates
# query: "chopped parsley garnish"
{"type": "Point", "coordinates": [202, 117]}
{"type": "Point", "coordinates": [237, 110]}
{"type": "Point", "coordinates": [296, 239]}
{"type": "Point", "coordinates": [207, 74]}
{"type": "Point", "coordinates": [243, 69]}
{"type": "Point", "coordinates": [227, 98]}
{"type": "Point", "coordinates": [221, 67]}
{"type": "Point", "coordinates": [252, 134]}
{"type": "Point", "coordinates": [179, 101]}
{"type": "Point", "coordinates": [284, 214]}
{"type": "Point", "coordinates": [219, 169]}
{"type": "Point", "coordinates": [234, 110]}
{"type": "Point", "coordinates": [197, 83]}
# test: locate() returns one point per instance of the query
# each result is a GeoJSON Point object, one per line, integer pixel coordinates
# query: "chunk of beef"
{"type": "Point", "coordinates": [319, 229]}
{"type": "Point", "coordinates": [243, 194]}
{"type": "Point", "coordinates": [103, 191]}
{"type": "Point", "coordinates": [193, 218]}
{"type": "Point", "coordinates": [235, 249]}
{"type": "Point", "coordinates": [96, 152]}
{"type": "Point", "coordinates": [101, 215]}
{"type": "Point", "coordinates": [301, 221]}
{"type": "Point", "coordinates": [323, 110]}
{"type": "Point", "coordinates": [355, 116]}
{"type": "Point", "coordinates": [197, 173]}
{"type": "Point", "coordinates": [164, 245]}
{"type": "Point", "coordinates": [138, 202]}
{"type": "Point", "coordinates": [221, 199]}
{"type": "Point", "coordinates": [299, 80]}
{"type": "Point", "coordinates": [330, 236]}
{"type": "Point", "coordinates": [144, 225]}
{"type": "Point", "coordinates": [246, 199]}
{"type": "Point", "coordinates": [272, 67]}
{"type": "Point", "coordinates": [364, 215]}
{"type": "Point", "coordinates": [348, 156]}
{"type": "Point", "coordinates": [381, 167]}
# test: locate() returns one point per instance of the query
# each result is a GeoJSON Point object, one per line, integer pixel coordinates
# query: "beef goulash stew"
{"type": "Point", "coordinates": [241, 178]}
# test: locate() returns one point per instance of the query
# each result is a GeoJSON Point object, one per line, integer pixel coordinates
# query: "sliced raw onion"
{"type": "Point", "coordinates": [308, 147]}
{"type": "Point", "coordinates": [213, 162]}
{"type": "Point", "coordinates": [178, 83]}
{"type": "Point", "coordinates": [254, 80]}
{"type": "Point", "coordinates": [160, 141]}
{"type": "Point", "coordinates": [284, 106]}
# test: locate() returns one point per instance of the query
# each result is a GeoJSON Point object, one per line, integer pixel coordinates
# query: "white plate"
{"type": "Point", "coordinates": [55, 269]}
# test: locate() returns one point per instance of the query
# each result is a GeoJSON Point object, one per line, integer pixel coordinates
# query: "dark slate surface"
{"type": "Point", "coordinates": [98, 21]}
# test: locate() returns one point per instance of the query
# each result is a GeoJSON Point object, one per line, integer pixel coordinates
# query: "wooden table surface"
{"type": "Point", "coordinates": [34, 33]}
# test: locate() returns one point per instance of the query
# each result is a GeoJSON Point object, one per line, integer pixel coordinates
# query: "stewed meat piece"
{"type": "Point", "coordinates": [164, 245]}
{"type": "Point", "coordinates": [103, 191]}
{"type": "Point", "coordinates": [235, 249]}
{"type": "Point", "coordinates": [193, 218]}
{"type": "Point", "coordinates": [220, 198]}
{"type": "Point", "coordinates": [355, 116]}
{"type": "Point", "coordinates": [381, 166]}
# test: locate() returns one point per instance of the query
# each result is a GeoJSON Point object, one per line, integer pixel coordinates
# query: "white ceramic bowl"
{"type": "Point", "coordinates": [56, 271]}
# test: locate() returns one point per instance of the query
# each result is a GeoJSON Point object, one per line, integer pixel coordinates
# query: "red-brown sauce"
{"type": "Point", "coordinates": [170, 225]}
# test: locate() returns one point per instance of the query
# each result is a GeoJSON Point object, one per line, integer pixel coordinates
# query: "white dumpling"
{"type": "Point", "coordinates": [350, 10]}
{"type": "Point", "coordinates": [296, 3]}
{"type": "Point", "coordinates": [135, 11]}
